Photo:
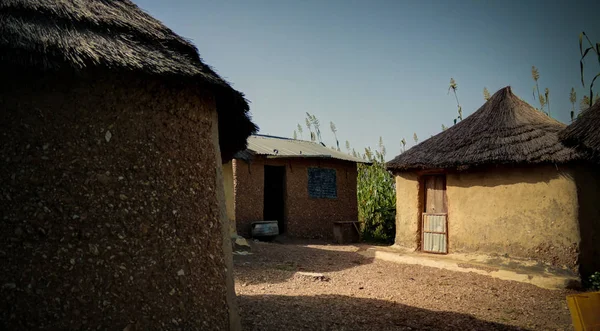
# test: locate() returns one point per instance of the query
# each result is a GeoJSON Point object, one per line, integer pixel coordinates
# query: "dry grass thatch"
{"type": "Point", "coordinates": [584, 133]}
{"type": "Point", "coordinates": [116, 35]}
{"type": "Point", "coordinates": [505, 130]}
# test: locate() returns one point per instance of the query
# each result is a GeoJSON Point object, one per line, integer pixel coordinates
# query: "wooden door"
{"type": "Point", "coordinates": [434, 220]}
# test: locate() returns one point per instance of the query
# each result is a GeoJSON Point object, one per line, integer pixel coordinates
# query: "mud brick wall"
{"type": "Point", "coordinates": [109, 211]}
{"type": "Point", "coordinates": [305, 217]}
{"type": "Point", "coordinates": [248, 185]}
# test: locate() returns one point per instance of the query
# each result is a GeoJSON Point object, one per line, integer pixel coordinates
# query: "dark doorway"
{"type": "Point", "coordinates": [274, 200]}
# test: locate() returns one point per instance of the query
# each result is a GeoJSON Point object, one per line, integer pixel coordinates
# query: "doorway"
{"type": "Point", "coordinates": [434, 219]}
{"type": "Point", "coordinates": [274, 196]}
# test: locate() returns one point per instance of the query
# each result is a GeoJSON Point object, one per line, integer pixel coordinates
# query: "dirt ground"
{"type": "Point", "coordinates": [360, 293]}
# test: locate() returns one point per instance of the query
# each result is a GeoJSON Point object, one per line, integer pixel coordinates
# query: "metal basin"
{"type": "Point", "coordinates": [265, 230]}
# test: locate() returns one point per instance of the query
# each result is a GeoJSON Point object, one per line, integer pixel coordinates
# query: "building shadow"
{"type": "Point", "coordinates": [336, 312]}
{"type": "Point", "coordinates": [270, 264]}
{"type": "Point", "coordinates": [588, 186]}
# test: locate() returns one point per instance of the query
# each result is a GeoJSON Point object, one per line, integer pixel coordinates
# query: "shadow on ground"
{"type": "Point", "coordinates": [279, 264]}
{"type": "Point", "coordinates": [335, 312]}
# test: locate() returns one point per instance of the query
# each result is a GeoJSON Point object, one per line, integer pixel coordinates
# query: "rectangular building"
{"type": "Point", "coordinates": [303, 185]}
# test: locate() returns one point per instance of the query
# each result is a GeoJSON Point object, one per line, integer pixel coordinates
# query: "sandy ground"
{"type": "Point", "coordinates": [359, 293]}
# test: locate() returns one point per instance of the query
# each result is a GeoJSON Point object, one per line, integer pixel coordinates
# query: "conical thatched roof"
{"type": "Point", "coordinates": [584, 133]}
{"type": "Point", "coordinates": [116, 35]}
{"type": "Point", "coordinates": [505, 130]}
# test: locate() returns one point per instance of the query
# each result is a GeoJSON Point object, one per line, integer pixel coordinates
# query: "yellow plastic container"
{"type": "Point", "coordinates": [585, 311]}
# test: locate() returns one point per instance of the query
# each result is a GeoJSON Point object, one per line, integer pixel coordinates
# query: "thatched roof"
{"type": "Point", "coordinates": [116, 35]}
{"type": "Point", "coordinates": [505, 130]}
{"type": "Point", "coordinates": [584, 133]}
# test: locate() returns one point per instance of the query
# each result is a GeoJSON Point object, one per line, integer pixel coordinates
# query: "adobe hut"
{"type": "Point", "coordinates": [303, 185]}
{"type": "Point", "coordinates": [111, 140]}
{"type": "Point", "coordinates": [499, 183]}
{"type": "Point", "coordinates": [584, 133]}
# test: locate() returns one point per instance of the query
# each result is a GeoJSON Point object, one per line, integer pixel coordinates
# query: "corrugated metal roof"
{"type": "Point", "coordinates": [279, 147]}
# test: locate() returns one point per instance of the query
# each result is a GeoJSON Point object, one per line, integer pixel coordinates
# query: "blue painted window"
{"type": "Point", "coordinates": [322, 183]}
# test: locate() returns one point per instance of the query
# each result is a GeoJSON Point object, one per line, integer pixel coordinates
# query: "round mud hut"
{"type": "Point", "coordinates": [584, 133]}
{"type": "Point", "coordinates": [112, 137]}
{"type": "Point", "coordinates": [500, 186]}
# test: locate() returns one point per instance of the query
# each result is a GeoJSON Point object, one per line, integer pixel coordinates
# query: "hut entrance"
{"type": "Point", "coordinates": [434, 220]}
{"type": "Point", "coordinates": [274, 201]}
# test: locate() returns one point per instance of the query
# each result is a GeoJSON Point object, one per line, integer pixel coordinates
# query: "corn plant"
{"type": "Point", "coordinates": [454, 86]}
{"type": "Point", "coordinates": [312, 122]}
{"type": "Point", "coordinates": [584, 53]}
{"type": "Point", "coordinates": [486, 94]}
{"type": "Point", "coordinates": [544, 99]}
{"type": "Point", "coordinates": [584, 104]}
{"type": "Point", "coordinates": [375, 191]}
{"type": "Point", "coordinates": [376, 195]}
{"type": "Point", "coordinates": [593, 282]}
{"type": "Point", "coordinates": [334, 130]}
{"type": "Point", "coordinates": [573, 100]}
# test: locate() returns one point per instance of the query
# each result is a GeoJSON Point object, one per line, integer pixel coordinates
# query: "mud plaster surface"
{"type": "Point", "coordinates": [108, 210]}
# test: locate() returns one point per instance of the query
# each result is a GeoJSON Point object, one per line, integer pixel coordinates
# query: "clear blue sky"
{"type": "Point", "coordinates": [381, 68]}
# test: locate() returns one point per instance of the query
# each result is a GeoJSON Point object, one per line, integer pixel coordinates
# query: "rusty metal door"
{"type": "Point", "coordinates": [434, 221]}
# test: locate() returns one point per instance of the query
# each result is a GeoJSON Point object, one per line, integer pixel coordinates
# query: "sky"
{"type": "Point", "coordinates": [382, 68]}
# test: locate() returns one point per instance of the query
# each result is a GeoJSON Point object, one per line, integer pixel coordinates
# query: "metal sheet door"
{"type": "Point", "coordinates": [434, 221]}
